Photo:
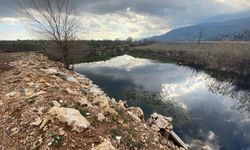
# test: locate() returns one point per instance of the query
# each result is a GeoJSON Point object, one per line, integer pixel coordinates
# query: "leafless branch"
{"type": "Point", "coordinates": [54, 19]}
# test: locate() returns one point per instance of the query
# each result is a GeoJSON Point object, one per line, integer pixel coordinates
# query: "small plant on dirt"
{"type": "Point", "coordinates": [37, 147]}
{"type": "Point", "coordinates": [123, 114]}
{"type": "Point", "coordinates": [56, 139]}
{"type": "Point", "coordinates": [82, 111]}
{"type": "Point", "coordinates": [119, 111]}
{"type": "Point", "coordinates": [114, 132]}
{"type": "Point", "coordinates": [130, 143]}
{"type": "Point", "coordinates": [94, 122]}
{"type": "Point", "coordinates": [31, 99]}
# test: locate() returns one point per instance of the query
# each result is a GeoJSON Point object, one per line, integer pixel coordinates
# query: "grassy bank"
{"type": "Point", "coordinates": [232, 57]}
{"type": "Point", "coordinates": [91, 58]}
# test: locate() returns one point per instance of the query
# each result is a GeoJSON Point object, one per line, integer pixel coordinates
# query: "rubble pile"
{"type": "Point", "coordinates": [44, 106]}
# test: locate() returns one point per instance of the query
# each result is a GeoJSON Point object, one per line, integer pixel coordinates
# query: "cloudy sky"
{"type": "Point", "coordinates": [112, 19]}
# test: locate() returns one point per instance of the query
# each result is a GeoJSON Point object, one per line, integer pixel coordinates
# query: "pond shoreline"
{"type": "Point", "coordinates": [235, 76]}
{"type": "Point", "coordinates": [44, 106]}
{"type": "Point", "coordinates": [208, 56]}
{"type": "Point", "coordinates": [194, 98]}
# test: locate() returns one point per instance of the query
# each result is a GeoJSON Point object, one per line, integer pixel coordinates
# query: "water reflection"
{"type": "Point", "coordinates": [153, 102]}
{"type": "Point", "coordinates": [226, 88]}
{"type": "Point", "coordinates": [216, 112]}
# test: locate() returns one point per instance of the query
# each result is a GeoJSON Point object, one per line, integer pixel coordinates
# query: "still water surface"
{"type": "Point", "coordinates": [213, 113]}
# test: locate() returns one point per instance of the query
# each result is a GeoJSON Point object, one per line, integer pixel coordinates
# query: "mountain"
{"type": "Point", "coordinates": [210, 31]}
{"type": "Point", "coordinates": [243, 35]}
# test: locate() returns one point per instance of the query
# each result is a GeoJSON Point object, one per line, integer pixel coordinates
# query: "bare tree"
{"type": "Point", "coordinates": [56, 20]}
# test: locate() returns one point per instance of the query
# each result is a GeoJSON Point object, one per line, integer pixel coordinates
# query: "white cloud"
{"type": "Point", "coordinates": [13, 29]}
{"type": "Point", "coordinates": [122, 25]}
{"type": "Point", "coordinates": [10, 20]}
{"type": "Point", "coordinates": [13, 33]}
{"type": "Point", "coordinates": [211, 136]}
{"type": "Point", "coordinates": [125, 61]}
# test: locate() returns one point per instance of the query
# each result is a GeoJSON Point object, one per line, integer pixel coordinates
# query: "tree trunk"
{"type": "Point", "coordinates": [65, 51]}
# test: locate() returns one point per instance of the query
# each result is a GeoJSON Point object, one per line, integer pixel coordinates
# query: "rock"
{"type": "Point", "coordinates": [135, 117]}
{"type": "Point", "coordinates": [26, 79]}
{"type": "Point", "coordinates": [61, 131]}
{"type": "Point", "coordinates": [120, 121]}
{"type": "Point", "coordinates": [104, 105]}
{"type": "Point", "coordinates": [83, 101]}
{"type": "Point", "coordinates": [95, 90]}
{"type": "Point", "coordinates": [11, 94]}
{"type": "Point", "coordinates": [37, 122]}
{"type": "Point", "coordinates": [72, 79]}
{"type": "Point", "coordinates": [122, 104]}
{"type": "Point", "coordinates": [51, 71]}
{"type": "Point", "coordinates": [31, 84]}
{"type": "Point", "coordinates": [41, 92]}
{"type": "Point", "coordinates": [14, 131]}
{"type": "Point", "coordinates": [17, 72]}
{"type": "Point", "coordinates": [159, 122]}
{"type": "Point", "coordinates": [40, 110]}
{"type": "Point", "coordinates": [72, 92]}
{"type": "Point", "coordinates": [137, 111]}
{"type": "Point", "coordinates": [105, 145]}
{"type": "Point", "coordinates": [67, 115]}
{"type": "Point", "coordinates": [100, 117]}
{"type": "Point", "coordinates": [113, 100]}
{"type": "Point", "coordinates": [29, 92]}
{"type": "Point", "coordinates": [62, 75]}
{"type": "Point", "coordinates": [118, 138]}
{"type": "Point", "coordinates": [55, 103]}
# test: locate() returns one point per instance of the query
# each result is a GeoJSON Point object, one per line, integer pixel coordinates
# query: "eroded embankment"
{"type": "Point", "coordinates": [44, 106]}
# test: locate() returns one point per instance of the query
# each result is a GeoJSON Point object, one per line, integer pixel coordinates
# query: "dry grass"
{"type": "Point", "coordinates": [222, 56]}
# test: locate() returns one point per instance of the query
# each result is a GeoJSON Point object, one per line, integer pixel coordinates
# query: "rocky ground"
{"type": "Point", "coordinates": [44, 106]}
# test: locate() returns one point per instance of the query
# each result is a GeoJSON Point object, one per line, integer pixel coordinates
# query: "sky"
{"type": "Point", "coordinates": [120, 19]}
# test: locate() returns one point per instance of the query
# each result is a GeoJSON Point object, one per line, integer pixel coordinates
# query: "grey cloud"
{"type": "Point", "coordinates": [179, 12]}
{"type": "Point", "coordinates": [155, 16]}
{"type": "Point", "coordinates": [8, 8]}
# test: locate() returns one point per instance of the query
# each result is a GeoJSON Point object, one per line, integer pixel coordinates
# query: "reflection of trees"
{"type": "Point", "coordinates": [230, 85]}
{"type": "Point", "coordinates": [152, 102]}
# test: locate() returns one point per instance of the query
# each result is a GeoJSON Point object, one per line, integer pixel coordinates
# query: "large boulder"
{"type": "Point", "coordinates": [160, 123]}
{"type": "Point", "coordinates": [67, 115]}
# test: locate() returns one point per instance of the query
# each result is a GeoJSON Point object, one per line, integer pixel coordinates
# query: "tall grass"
{"type": "Point", "coordinates": [222, 56]}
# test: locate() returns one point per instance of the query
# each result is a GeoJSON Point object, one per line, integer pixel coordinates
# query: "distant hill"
{"type": "Point", "coordinates": [232, 29]}
{"type": "Point", "coordinates": [243, 35]}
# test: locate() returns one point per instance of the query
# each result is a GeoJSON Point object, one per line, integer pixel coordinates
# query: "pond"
{"type": "Point", "coordinates": [207, 111]}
